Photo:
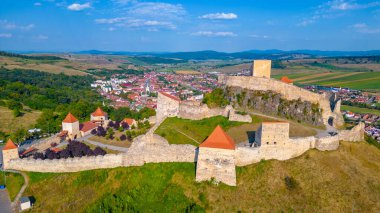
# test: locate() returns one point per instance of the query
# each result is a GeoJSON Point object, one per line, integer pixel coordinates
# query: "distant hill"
{"type": "Point", "coordinates": [249, 54]}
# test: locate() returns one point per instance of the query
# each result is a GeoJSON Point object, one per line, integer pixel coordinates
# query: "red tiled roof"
{"type": "Point", "coordinates": [171, 96]}
{"type": "Point", "coordinates": [10, 145]}
{"type": "Point", "coordinates": [219, 139]}
{"type": "Point", "coordinates": [86, 126]}
{"type": "Point", "coordinates": [56, 150]}
{"type": "Point", "coordinates": [129, 121]}
{"type": "Point", "coordinates": [31, 149]}
{"type": "Point", "coordinates": [99, 112]}
{"type": "Point", "coordinates": [285, 79]}
{"type": "Point", "coordinates": [70, 118]}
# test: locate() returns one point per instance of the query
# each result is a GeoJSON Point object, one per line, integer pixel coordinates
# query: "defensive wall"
{"type": "Point", "coordinates": [288, 91]}
{"type": "Point", "coordinates": [155, 149]}
{"type": "Point", "coordinates": [170, 106]}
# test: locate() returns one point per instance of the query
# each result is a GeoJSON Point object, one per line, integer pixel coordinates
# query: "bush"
{"type": "Point", "coordinates": [16, 113]}
{"type": "Point", "coordinates": [215, 99]}
{"type": "Point", "coordinates": [290, 183]}
{"type": "Point", "coordinates": [123, 137]}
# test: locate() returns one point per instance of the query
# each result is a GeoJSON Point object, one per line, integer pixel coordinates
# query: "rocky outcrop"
{"type": "Point", "coordinates": [272, 103]}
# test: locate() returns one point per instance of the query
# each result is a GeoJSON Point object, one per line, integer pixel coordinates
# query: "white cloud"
{"type": "Point", "coordinates": [350, 5]}
{"type": "Point", "coordinates": [37, 4]}
{"type": "Point", "coordinates": [5, 24]}
{"type": "Point", "coordinates": [333, 9]}
{"type": "Point", "coordinates": [110, 20]}
{"type": "Point", "coordinates": [157, 9]}
{"type": "Point", "coordinates": [364, 28]}
{"type": "Point", "coordinates": [151, 25]}
{"type": "Point", "coordinates": [214, 34]}
{"type": "Point", "coordinates": [5, 35]}
{"type": "Point", "coordinates": [259, 36]}
{"type": "Point", "coordinates": [41, 37]}
{"type": "Point", "coordinates": [214, 16]}
{"type": "Point", "coordinates": [79, 7]}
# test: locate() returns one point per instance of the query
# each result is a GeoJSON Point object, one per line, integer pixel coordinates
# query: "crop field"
{"type": "Point", "coordinates": [331, 181]}
{"type": "Point", "coordinates": [188, 72]}
{"type": "Point", "coordinates": [360, 110]}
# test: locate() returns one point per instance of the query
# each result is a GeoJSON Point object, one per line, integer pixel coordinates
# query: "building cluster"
{"type": "Point", "coordinates": [138, 91]}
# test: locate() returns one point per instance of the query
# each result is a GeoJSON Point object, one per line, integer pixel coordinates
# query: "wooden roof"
{"type": "Point", "coordinates": [219, 139]}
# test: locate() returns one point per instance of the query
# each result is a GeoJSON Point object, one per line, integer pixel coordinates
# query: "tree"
{"type": "Point", "coordinates": [16, 113]}
{"type": "Point", "coordinates": [13, 105]}
{"type": "Point", "coordinates": [125, 125]}
{"type": "Point", "coordinates": [19, 135]}
{"type": "Point", "coordinates": [99, 151]}
{"type": "Point", "coordinates": [123, 137]}
{"type": "Point", "coordinates": [94, 132]}
{"type": "Point", "coordinates": [215, 98]}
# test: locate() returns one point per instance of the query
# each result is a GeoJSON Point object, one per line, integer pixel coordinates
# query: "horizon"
{"type": "Point", "coordinates": [191, 26]}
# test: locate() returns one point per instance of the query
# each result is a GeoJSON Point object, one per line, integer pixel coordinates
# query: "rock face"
{"type": "Point", "coordinates": [288, 92]}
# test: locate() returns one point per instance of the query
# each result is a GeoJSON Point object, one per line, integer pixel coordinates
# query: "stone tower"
{"type": "Point", "coordinates": [272, 133]}
{"type": "Point", "coordinates": [99, 117]}
{"type": "Point", "coordinates": [71, 125]}
{"type": "Point", "coordinates": [10, 152]}
{"type": "Point", "coordinates": [216, 158]}
{"type": "Point", "coordinates": [167, 106]}
{"type": "Point", "coordinates": [261, 68]}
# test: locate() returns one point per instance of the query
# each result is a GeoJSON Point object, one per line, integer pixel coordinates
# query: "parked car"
{"type": "Point", "coordinates": [2, 186]}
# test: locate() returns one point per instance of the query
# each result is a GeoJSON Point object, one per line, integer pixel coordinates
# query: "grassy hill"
{"type": "Point", "coordinates": [8, 123]}
{"type": "Point", "coordinates": [186, 131]}
{"type": "Point", "coordinates": [337, 181]}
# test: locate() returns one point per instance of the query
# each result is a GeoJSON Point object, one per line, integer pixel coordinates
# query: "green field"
{"type": "Point", "coordinates": [13, 183]}
{"type": "Point", "coordinates": [334, 181]}
{"type": "Point", "coordinates": [360, 110]}
{"type": "Point", "coordinates": [177, 130]}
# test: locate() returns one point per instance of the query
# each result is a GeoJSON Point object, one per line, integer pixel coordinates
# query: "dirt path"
{"type": "Point", "coordinates": [26, 183]}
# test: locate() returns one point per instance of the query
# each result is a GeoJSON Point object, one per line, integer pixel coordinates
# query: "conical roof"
{"type": "Point", "coordinates": [219, 139]}
{"type": "Point", "coordinates": [99, 112]}
{"type": "Point", "coordinates": [70, 118]}
{"type": "Point", "coordinates": [10, 145]}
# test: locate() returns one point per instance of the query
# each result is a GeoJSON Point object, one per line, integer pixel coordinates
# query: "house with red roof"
{"type": "Point", "coordinates": [216, 158]}
{"type": "Point", "coordinates": [130, 122]}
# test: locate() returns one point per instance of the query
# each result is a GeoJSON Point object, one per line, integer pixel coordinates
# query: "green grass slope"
{"type": "Point", "coordinates": [337, 181]}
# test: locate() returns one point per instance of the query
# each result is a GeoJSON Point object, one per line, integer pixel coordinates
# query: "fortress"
{"type": "Point", "coordinates": [218, 156]}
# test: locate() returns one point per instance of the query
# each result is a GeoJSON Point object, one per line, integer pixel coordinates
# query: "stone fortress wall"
{"type": "Point", "coordinates": [155, 149]}
{"type": "Point", "coordinates": [169, 107]}
{"type": "Point", "coordinates": [288, 91]}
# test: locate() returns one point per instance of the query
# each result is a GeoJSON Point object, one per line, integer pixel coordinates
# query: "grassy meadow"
{"type": "Point", "coordinates": [185, 131]}
{"type": "Point", "coordinates": [13, 183]}
{"type": "Point", "coordinates": [8, 123]}
{"type": "Point", "coordinates": [344, 180]}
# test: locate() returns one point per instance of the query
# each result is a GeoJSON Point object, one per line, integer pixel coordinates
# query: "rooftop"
{"type": "Point", "coordinates": [10, 145]}
{"type": "Point", "coordinates": [219, 139]}
{"type": "Point", "coordinates": [70, 118]}
{"type": "Point", "coordinates": [171, 96]}
{"type": "Point", "coordinates": [99, 112]}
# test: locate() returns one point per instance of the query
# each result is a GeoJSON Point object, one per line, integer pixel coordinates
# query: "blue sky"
{"type": "Point", "coordinates": [168, 25]}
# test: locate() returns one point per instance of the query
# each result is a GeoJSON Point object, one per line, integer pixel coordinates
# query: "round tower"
{"type": "Point", "coordinates": [10, 152]}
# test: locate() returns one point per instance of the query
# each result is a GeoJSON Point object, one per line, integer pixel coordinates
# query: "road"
{"type": "Point", "coordinates": [5, 202]}
{"type": "Point", "coordinates": [95, 143]}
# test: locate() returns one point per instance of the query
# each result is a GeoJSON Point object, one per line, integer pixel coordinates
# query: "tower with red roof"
{"type": "Point", "coordinates": [70, 125]}
{"type": "Point", "coordinates": [99, 116]}
{"type": "Point", "coordinates": [216, 158]}
{"type": "Point", "coordinates": [10, 152]}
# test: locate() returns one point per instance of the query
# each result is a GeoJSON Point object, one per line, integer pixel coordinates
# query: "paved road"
{"type": "Point", "coordinates": [5, 202]}
{"type": "Point", "coordinates": [95, 143]}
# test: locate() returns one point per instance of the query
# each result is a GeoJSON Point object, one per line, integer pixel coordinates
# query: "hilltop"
{"type": "Point", "coordinates": [343, 180]}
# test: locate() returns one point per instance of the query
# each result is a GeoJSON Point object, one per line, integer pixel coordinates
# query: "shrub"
{"type": "Point", "coordinates": [123, 137]}
{"type": "Point", "coordinates": [290, 183]}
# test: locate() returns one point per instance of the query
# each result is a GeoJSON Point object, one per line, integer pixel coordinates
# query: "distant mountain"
{"type": "Point", "coordinates": [249, 54]}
